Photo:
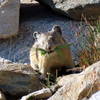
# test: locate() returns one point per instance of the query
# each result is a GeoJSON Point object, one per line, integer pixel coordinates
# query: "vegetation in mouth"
{"type": "Point", "coordinates": [44, 52]}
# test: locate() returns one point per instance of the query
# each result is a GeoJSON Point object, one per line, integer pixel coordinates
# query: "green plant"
{"type": "Point", "coordinates": [50, 80]}
{"type": "Point", "coordinates": [57, 49]}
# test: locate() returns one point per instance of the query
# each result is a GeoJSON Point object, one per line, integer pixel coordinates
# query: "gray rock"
{"type": "Point", "coordinates": [75, 8]}
{"type": "Point", "coordinates": [80, 86]}
{"type": "Point", "coordinates": [18, 79]}
{"type": "Point", "coordinates": [41, 94]}
{"type": "Point", "coordinates": [9, 18]}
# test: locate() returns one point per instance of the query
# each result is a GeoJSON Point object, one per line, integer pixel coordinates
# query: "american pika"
{"type": "Point", "coordinates": [50, 51]}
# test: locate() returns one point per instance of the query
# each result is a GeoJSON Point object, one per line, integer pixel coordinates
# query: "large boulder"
{"type": "Point", "coordinates": [75, 8]}
{"type": "Point", "coordinates": [79, 86]}
{"type": "Point", "coordinates": [18, 79]}
{"type": "Point", "coordinates": [9, 18]}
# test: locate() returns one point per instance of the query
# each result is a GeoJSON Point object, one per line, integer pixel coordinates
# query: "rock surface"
{"type": "Point", "coordinates": [18, 79]}
{"type": "Point", "coordinates": [28, 1]}
{"type": "Point", "coordinates": [9, 18]}
{"type": "Point", "coordinates": [2, 97]}
{"type": "Point", "coordinates": [95, 96]}
{"type": "Point", "coordinates": [75, 8]}
{"type": "Point", "coordinates": [41, 94]}
{"type": "Point", "coordinates": [81, 86]}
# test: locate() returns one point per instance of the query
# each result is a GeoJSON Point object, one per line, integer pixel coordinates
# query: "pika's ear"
{"type": "Point", "coordinates": [57, 29]}
{"type": "Point", "coordinates": [36, 35]}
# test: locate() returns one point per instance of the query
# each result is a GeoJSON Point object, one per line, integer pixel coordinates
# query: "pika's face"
{"type": "Point", "coordinates": [48, 41]}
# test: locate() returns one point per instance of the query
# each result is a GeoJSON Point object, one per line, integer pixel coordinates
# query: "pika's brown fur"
{"type": "Point", "coordinates": [49, 41]}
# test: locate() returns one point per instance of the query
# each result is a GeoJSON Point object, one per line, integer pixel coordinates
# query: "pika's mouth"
{"type": "Point", "coordinates": [57, 49]}
{"type": "Point", "coordinates": [43, 52]}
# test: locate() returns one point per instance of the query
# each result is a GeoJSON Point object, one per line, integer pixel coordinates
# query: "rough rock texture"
{"type": "Point", "coordinates": [75, 8]}
{"type": "Point", "coordinates": [41, 94]}
{"type": "Point", "coordinates": [18, 79]}
{"type": "Point", "coordinates": [9, 18]}
{"type": "Point", "coordinates": [2, 97]}
{"type": "Point", "coordinates": [82, 86]}
{"type": "Point", "coordinates": [61, 81]}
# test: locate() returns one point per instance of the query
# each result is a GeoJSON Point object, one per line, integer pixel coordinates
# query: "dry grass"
{"type": "Point", "coordinates": [90, 51]}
